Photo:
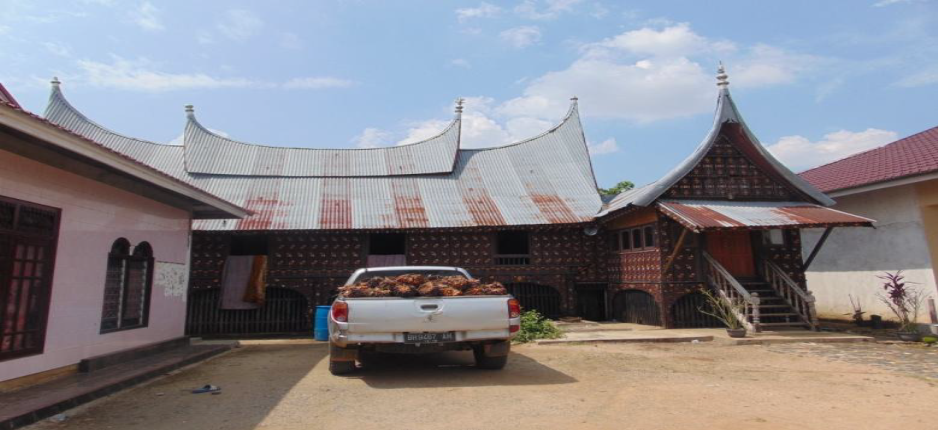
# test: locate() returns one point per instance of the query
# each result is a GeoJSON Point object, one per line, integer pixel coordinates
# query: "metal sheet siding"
{"type": "Point", "coordinates": [708, 215]}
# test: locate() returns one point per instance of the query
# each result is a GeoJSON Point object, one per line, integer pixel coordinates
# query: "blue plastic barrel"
{"type": "Point", "coordinates": [321, 324]}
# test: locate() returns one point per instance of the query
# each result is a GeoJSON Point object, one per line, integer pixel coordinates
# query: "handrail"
{"type": "Point", "coordinates": [801, 301]}
{"type": "Point", "coordinates": [719, 278]}
{"type": "Point", "coordinates": [726, 274]}
{"type": "Point", "coordinates": [787, 280]}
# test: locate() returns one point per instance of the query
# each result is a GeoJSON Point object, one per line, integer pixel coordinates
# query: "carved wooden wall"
{"type": "Point", "coordinates": [726, 173]}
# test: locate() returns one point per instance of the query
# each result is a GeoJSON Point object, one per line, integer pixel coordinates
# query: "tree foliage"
{"type": "Point", "coordinates": [618, 188]}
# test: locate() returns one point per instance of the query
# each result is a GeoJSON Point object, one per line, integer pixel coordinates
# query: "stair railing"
{"type": "Point", "coordinates": [731, 291]}
{"type": "Point", "coordinates": [800, 300]}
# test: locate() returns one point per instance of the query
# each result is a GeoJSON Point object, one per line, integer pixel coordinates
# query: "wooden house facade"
{"type": "Point", "coordinates": [528, 215]}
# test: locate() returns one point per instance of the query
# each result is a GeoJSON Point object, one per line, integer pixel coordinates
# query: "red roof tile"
{"type": "Point", "coordinates": [913, 155]}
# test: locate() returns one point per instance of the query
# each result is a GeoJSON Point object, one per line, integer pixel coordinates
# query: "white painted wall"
{"type": "Point", "coordinates": [852, 257]}
{"type": "Point", "coordinates": [95, 214]}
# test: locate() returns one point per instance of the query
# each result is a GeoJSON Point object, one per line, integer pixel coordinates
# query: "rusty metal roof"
{"type": "Point", "coordinates": [210, 153]}
{"type": "Point", "coordinates": [547, 179]}
{"type": "Point", "coordinates": [699, 215]}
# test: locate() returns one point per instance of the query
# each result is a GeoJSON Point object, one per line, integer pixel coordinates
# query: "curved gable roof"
{"type": "Point", "coordinates": [210, 153]}
{"type": "Point", "coordinates": [166, 158]}
{"type": "Point", "coordinates": [726, 112]}
{"type": "Point", "coordinates": [547, 179]}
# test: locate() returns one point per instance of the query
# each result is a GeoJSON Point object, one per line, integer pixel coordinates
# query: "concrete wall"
{"type": "Point", "coordinates": [93, 216]}
{"type": "Point", "coordinates": [852, 257]}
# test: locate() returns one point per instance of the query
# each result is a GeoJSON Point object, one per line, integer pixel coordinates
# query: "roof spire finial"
{"type": "Point", "coordinates": [55, 82]}
{"type": "Point", "coordinates": [190, 110]}
{"type": "Point", "coordinates": [574, 99]}
{"type": "Point", "coordinates": [459, 102]}
{"type": "Point", "coordinates": [722, 76]}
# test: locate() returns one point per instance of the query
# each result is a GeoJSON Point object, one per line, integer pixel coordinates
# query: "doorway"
{"type": "Point", "coordinates": [733, 249]}
{"type": "Point", "coordinates": [591, 302]}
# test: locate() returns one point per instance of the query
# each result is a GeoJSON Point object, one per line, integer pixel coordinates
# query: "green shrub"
{"type": "Point", "coordinates": [534, 326]}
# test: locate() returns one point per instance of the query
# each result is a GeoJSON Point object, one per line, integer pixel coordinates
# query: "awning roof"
{"type": "Point", "coordinates": [699, 215]}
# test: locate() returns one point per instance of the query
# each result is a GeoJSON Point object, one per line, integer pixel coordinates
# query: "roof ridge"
{"type": "Point", "coordinates": [58, 95]}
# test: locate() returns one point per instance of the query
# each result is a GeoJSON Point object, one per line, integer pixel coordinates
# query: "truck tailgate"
{"type": "Point", "coordinates": [427, 314]}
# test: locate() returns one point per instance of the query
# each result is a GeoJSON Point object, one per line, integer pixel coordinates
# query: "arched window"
{"type": "Point", "coordinates": [127, 286]}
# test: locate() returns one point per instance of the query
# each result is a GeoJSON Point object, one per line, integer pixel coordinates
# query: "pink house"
{"type": "Point", "coordinates": [94, 247]}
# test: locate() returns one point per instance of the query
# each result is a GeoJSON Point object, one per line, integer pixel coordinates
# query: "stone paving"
{"type": "Point", "coordinates": [911, 359]}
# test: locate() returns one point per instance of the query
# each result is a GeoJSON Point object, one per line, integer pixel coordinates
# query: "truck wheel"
{"type": "Point", "coordinates": [340, 367]}
{"type": "Point", "coordinates": [485, 361]}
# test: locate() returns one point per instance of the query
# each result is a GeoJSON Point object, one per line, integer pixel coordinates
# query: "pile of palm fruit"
{"type": "Point", "coordinates": [413, 285]}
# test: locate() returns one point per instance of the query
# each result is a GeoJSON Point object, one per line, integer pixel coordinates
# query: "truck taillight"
{"type": "Point", "coordinates": [514, 308]}
{"type": "Point", "coordinates": [340, 311]}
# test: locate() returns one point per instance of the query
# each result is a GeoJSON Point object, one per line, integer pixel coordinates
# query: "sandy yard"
{"type": "Point", "coordinates": [285, 385]}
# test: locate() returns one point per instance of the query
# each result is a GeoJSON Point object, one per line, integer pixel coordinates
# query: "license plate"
{"type": "Point", "coordinates": [448, 336]}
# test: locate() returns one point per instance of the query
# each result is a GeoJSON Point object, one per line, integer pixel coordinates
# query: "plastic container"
{"type": "Point", "coordinates": [321, 323]}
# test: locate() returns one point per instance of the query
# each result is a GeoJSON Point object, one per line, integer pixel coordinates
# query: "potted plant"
{"type": "Point", "coordinates": [725, 311]}
{"type": "Point", "coordinates": [905, 302]}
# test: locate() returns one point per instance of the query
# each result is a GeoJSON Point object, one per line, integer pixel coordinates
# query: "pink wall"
{"type": "Point", "coordinates": [93, 216]}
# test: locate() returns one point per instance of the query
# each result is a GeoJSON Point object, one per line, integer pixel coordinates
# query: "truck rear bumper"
{"type": "Point", "coordinates": [343, 338]}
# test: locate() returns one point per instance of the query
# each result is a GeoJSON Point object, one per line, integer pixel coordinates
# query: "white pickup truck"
{"type": "Point", "coordinates": [361, 327]}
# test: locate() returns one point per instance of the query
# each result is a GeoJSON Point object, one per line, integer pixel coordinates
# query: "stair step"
{"type": "Point", "coordinates": [783, 324]}
{"type": "Point", "coordinates": [761, 306]}
{"type": "Point", "coordinates": [779, 314]}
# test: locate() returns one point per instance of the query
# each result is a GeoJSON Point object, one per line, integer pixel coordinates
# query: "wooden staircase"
{"type": "Point", "coordinates": [774, 311]}
{"type": "Point", "coordinates": [775, 301]}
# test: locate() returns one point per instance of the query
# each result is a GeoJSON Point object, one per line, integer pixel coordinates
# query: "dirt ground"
{"type": "Point", "coordinates": [286, 385]}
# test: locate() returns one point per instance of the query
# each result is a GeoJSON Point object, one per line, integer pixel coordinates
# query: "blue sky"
{"type": "Point", "coordinates": [816, 80]}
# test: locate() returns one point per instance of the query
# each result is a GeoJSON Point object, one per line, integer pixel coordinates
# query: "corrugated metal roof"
{"type": "Point", "coordinates": [209, 153]}
{"type": "Point", "coordinates": [204, 197]}
{"type": "Point", "coordinates": [715, 215]}
{"type": "Point", "coordinates": [544, 180]}
{"type": "Point", "coordinates": [726, 112]}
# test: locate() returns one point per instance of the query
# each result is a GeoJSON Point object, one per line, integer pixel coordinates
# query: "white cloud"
{"type": "Point", "coordinates": [925, 77]}
{"type": "Point", "coordinates": [139, 75]}
{"type": "Point", "coordinates": [484, 10]}
{"type": "Point", "coordinates": [57, 49]}
{"type": "Point", "coordinates": [884, 3]}
{"type": "Point", "coordinates": [423, 130]}
{"type": "Point", "coordinates": [607, 146]}
{"type": "Point", "coordinates": [239, 24]}
{"type": "Point", "coordinates": [460, 62]}
{"type": "Point", "coordinates": [315, 83]}
{"type": "Point", "coordinates": [545, 9]}
{"type": "Point", "coordinates": [799, 153]}
{"type": "Point", "coordinates": [520, 37]}
{"type": "Point", "coordinates": [652, 74]}
{"type": "Point", "coordinates": [642, 75]}
{"type": "Point", "coordinates": [143, 75]}
{"type": "Point", "coordinates": [676, 40]}
{"type": "Point", "coordinates": [766, 65]}
{"type": "Point", "coordinates": [372, 138]}
{"type": "Point", "coordinates": [148, 17]}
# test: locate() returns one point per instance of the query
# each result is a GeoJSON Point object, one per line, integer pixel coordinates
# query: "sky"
{"type": "Point", "coordinates": [815, 80]}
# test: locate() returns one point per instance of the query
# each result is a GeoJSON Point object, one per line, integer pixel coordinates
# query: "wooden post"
{"type": "Point", "coordinates": [820, 243]}
{"type": "Point", "coordinates": [812, 312]}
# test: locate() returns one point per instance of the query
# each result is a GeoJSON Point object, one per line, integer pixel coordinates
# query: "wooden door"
{"type": "Point", "coordinates": [733, 249]}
